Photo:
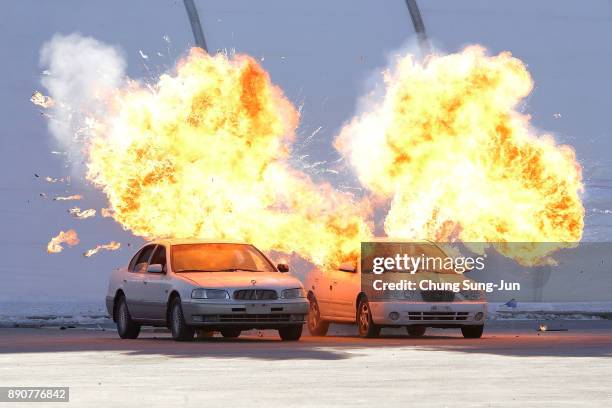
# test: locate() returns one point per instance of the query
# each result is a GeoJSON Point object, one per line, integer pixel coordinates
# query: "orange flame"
{"type": "Point", "coordinates": [111, 246]}
{"type": "Point", "coordinates": [450, 151]}
{"type": "Point", "coordinates": [69, 237]}
{"type": "Point", "coordinates": [204, 153]}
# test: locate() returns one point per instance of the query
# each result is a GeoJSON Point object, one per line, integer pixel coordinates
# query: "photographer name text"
{"type": "Point", "coordinates": [458, 286]}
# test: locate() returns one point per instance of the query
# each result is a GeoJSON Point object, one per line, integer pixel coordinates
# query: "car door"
{"type": "Point", "coordinates": [322, 290]}
{"type": "Point", "coordinates": [156, 287]}
{"type": "Point", "coordinates": [346, 285]}
{"type": "Point", "coordinates": [133, 282]}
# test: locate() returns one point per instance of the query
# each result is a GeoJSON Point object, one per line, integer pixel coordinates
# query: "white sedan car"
{"type": "Point", "coordinates": [338, 296]}
{"type": "Point", "coordinates": [214, 286]}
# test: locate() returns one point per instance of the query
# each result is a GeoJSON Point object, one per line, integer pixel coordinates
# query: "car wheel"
{"type": "Point", "coordinates": [231, 333]}
{"type": "Point", "coordinates": [472, 332]}
{"type": "Point", "coordinates": [416, 331]}
{"type": "Point", "coordinates": [179, 328]}
{"type": "Point", "coordinates": [126, 327]}
{"type": "Point", "coordinates": [291, 333]}
{"type": "Point", "coordinates": [367, 328]}
{"type": "Point", "coordinates": [316, 326]}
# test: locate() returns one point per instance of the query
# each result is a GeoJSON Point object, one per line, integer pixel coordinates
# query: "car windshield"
{"type": "Point", "coordinates": [217, 257]}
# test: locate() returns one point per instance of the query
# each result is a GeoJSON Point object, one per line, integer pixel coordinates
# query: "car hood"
{"type": "Point", "coordinates": [238, 280]}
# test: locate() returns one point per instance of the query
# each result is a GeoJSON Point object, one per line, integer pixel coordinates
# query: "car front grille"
{"type": "Point", "coordinates": [255, 294]}
{"type": "Point", "coordinates": [254, 318]}
{"type": "Point", "coordinates": [438, 315]}
{"type": "Point", "coordinates": [438, 295]}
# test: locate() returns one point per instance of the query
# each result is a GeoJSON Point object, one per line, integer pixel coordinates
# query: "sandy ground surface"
{"type": "Point", "coordinates": [512, 365]}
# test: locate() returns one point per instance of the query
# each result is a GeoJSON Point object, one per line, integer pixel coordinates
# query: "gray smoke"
{"type": "Point", "coordinates": [80, 72]}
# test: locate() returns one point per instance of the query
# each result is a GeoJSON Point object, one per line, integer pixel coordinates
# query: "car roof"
{"type": "Point", "coordinates": [399, 240]}
{"type": "Point", "coordinates": [179, 241]}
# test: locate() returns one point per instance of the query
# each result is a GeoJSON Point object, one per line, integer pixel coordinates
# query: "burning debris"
{"type": "Point", "coordinates": [111, 246]}
{"type": "Point", "coordinates": [68, 198]}
{"type": "Point", "coordinates": [76, 212]}
{"type": "Point", "coordinates": [54, 180]}
{"type": "Point", "coordinates": [69, 237]}
{"type": "Point", "coordinates": [41, 100]}
{"type": "Point", "coordinates": [545, 328]}
{"type": "Point", "coordinates": [106, 212]}
{"type": "Point", "coordinates": [450, 152]}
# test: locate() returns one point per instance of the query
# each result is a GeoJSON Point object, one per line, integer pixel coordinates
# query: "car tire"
{"type": "Point", "coordinates": [231, 333]}
{"type": "Point", "coordinates": [366, 325]}
{"type": "Point", "coordinates": [180, 330]}
{"type": "Point", "coordinates": [472, 332]}
{"type": "Point", "coordinates": [316, 326]}
{"type": "Point", "coordinates": [126, 327]}
{"type": "Point", "coordinates": [291, 333]}
{"type": "Point", "coordinates": [416, 331]}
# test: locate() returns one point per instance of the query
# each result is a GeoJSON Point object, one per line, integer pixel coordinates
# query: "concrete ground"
{"type": "Point", "coordinates": [512, 365]}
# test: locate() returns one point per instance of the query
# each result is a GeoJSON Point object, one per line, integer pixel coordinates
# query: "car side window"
{"type": "Point", "coordinates": [159, 256]}
{"type": "Point", "coordinates": [143, 258]}
{"type": "Point", "coordinates": [133, 261]}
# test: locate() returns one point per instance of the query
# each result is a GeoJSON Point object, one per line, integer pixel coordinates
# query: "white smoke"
{"type": "Point", "coordinates": [80, 72]}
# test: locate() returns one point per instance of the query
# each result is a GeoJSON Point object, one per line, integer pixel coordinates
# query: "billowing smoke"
{"type": "Point", "coordinates": [80, 72]}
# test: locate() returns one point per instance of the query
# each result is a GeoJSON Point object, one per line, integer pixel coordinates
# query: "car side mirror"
{"type": "Point", "coordinates": [155, 268]}
{"type": "Point", "coordinates": [282, 267]}
{"type": "Point", "coordinates": [347, 267]}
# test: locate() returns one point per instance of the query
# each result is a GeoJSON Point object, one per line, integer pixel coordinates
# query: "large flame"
{"type": "Point", "coordinates": [204, 153]}
{"type": "Point", "coordinates": [449, 149]}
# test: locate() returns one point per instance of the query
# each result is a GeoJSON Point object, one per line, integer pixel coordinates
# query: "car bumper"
{"type": "Point", "coordinates": [434, 314]}
{"type": "Point", "coordinates": [246, 315]}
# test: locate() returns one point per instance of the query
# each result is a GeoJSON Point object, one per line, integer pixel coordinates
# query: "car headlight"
{"type": "Point", "coordinates": [293, 293]}
{"type": "Point", "coordinates": [201, 293]}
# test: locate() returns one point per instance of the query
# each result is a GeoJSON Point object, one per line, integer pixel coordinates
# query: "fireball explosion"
{"type": "Point", "coordinates": [205, 151]}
